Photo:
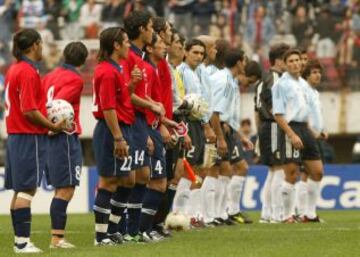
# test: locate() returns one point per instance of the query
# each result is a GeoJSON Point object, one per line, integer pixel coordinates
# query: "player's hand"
{"type": "Point", "coordinates": [324, 135]}
{"type": "Point", "coordinates": [209, 134]}
{"type": "Point", "coordinates": [59, 126]}
{"type": "Point", "coordinates": [296, 142]}
{"type": "Point", "coordinates": [121, 149]}
{"type": "Point", "coordinates": [158, 109]}
{"type": "Point", "coordinates": [248, 145]}
{"type": "Point", "coordinates": [150, 146]}
{"type": "Point", "coordinates": [171, 123]}
{"type": "Point", "coordinates": [165, 134]}
{"type": "Point", "coordinates": [226, 128]}
{"type": "Point", "coordinates": [136, 75]}
{"type": "Point", "coordinates": [221, 147]}
{"type": "Point", "coordinates": [187, 143]}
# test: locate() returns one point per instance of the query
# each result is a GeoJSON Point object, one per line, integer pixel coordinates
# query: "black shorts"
{"type": "Point", "coordinates": [235, 151]}
{"type": "Point", "coordinates": [310, 150]}
{"type": "Point", "coordinates": [195, 155]}
{"type": "Point", "coordinates": [271, 142]}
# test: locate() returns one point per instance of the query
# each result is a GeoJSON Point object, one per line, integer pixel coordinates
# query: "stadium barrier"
{"type": "Point", "coordinates": [340, 189]}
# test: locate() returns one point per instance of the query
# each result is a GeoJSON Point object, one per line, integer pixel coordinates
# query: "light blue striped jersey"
{"type": "Point", "coordinates": [316, 119]}
{"type": "Point", "coordinates": [207, 85]}
{"type": "Point", "coordinates": [192, 83]}
{"type": "Point", "coordinates": [212, 69]}
{"type": "Point", "coordinates": [292, 98]}
{"type": "Point", "coordinates": [226, 98]}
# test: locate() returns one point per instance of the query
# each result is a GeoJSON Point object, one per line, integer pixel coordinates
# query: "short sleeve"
{"type": "Point", "coordinates": [107, 91]}
{"type": "Point", "coordinates": [30, 91]}
{"type": "Point", "coordinates": [278, 99]}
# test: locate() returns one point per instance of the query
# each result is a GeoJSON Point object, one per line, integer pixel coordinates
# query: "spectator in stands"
{"type": "Point", "coordinates": [301, 27]}
{"type": "Point", "coordinates": [249, 155]}
{"type": "Point", "coordinates": [138, 5]}
{"type": "Point", "coordinates": [356, 151]}
{"type": "Point", "coordinates": [158, 6]}
{"type": "Point", "coordinates": [113, 13]}
{"type": "Point", "coordinates": [71, 12]}
{"type": "Point", "coordinates": [32, 11]}
{"type": "Point", "coordinates": [5, 56]}
{"type": "Point", "coordinates": [90, 16]}
{"type": "Point", "coordinates": [53, 12]}
{"type": "Point", "coordinates": [52, 59]}
{"type": "Point", "coordinates": [46, 35]}
{"type": "Point", "coordinates": [202, 13]}
{"type": "Point", "coordinates": [260, 29]}
{"type": "Point", "coordinates": [7, 14]}
{"type": "Point", "coordinates": [324, 29]}
{"type": "Point", "coordinates": [181, 11]}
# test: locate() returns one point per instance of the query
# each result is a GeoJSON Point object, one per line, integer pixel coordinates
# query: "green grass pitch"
{"type": "Point", "coordinates": [339, 236]}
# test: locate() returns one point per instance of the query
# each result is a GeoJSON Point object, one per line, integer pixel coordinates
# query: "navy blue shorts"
{"type": "Point", "coordinates": [103, 145]}
{"type": "Point", "coordinates": [235, 151]}
{"type": "Point", "coordinates": [25, 161]}
{"type": "Point", "coordinates": [64, 160]}
{"type": "Point", "coordinates": [158, 159]}
{"type": "Point", "coordinates": [140, 136]}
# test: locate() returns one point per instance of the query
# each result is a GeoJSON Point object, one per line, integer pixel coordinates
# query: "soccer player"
{"type": "Point", "coordinates": [293, 101]}
{"type": "Point", "coordinates": [194, 56]}
{"type": "Point", "coordinates": [113, 141]}
{"type": "Point", "coordinates": [312, 74]}
{"type": "Point", "coordinates": [269, 137]}
{"type": "Point", "coordinates": [139, 27]}
{"type": "Point", "coordinates": [64, 150]}
{"type": "Point", "coordinates": [27, 127]}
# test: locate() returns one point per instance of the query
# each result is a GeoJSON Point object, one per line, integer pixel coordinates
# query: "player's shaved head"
{"type": "Point", "coordinates": [207, 40]}
{"type": "Point", "coordinates": [210, 46]}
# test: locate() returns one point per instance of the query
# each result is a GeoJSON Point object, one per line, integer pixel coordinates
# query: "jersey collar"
{"type": "Point", "coordinates": [116, 65]}
{"type": "Point", "coordinates": [137, 50]}
{"type": "Point", "coordinates": [35, 65]}
{"type": "Point", "coordinates": [70, 67]}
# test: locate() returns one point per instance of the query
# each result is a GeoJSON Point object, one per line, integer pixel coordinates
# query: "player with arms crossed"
{"type": "Point", "coordinates": [64, 150]}
{"type": "Point", "coordinates": [27, 127]}
{"type": "Point", "coordinates": [293, 101]}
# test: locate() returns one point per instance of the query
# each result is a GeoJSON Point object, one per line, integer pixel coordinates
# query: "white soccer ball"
{"type": "Point", "coordinates": [177, 221]}
{"type": "Point", "coordinates": [60, 110]}
{"type": "Point", "coordinates": [199, 107]}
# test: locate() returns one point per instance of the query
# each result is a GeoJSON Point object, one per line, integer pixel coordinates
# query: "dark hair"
{"type": "Point", "coordinates": [291, 51]}
{"type": "Point", "coordinates": [311, 64]}
{"type": "Point", "coordinates": [222, 46]}
{"type": "Point", "coordinates": [194, 42]}
{"type": "Point", "coordinates": [302, 50]}
{"type": "Point", "coordinates": [159, 24]}
{"type": "Point", "coordinates": [154, 39]}
{"type": "Point", "coordinates": [134, 21]}
{"type": "Point", "coordinates": [107, 39]}
{"type": "Point", "coordinates": [23, 41]}
{"type": "Point", "coordinates": [253, 68]}
{"type": "Point", "coordinates": [75, 53]}
{"type": "Point", "coordinates": [277, 52]}
{"type": "Point", "coordinates": [233, 56]}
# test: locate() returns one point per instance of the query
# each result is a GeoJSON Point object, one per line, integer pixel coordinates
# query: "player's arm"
{"type": "Point", "coordinates": [295, 139]}
{"type": "Point", "coordinates": [220, 142]}
{"type": "Point", "coordinates": [37, 118]}
{"type": "Point", "coordinates": [120, 144]}
{"type": "Point", "coordinates": [141, 102]}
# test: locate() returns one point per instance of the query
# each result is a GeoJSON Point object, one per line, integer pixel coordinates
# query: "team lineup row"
{"type": "Point", "coordinates": [164, 107]}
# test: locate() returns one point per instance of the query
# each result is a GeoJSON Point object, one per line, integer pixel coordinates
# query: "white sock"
{"type": "Point", "coordinates": [181, 196]}
{"type": "Point", "coordinates": [266, 192]}
{"type": "Point", "coordinates": [193, 206]}
{"type": "Point", "coordinates": [235, 189]}
{"type": "Point", "coordinates": [276, 199]}
{"type": "Point", "coordinates": [301, 197]}
{"type": "Point", "coordinates": [221, 206]}
{"type": "Point", "coordinates": [288, 196]}
{"type": "Point", "coordinates": [208, 199]}
{"type": "Point", "coordinates": [217, 197]}
{"type": "Point", "coordinates": [313, 196]}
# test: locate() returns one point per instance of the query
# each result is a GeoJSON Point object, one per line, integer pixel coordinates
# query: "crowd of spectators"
{"type": "Point", "coordinates": [328, 29]}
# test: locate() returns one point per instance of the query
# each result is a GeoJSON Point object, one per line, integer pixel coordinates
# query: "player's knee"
{"type": "Point", "coordinates": [241, 168]}
{"type": "Point", "coordinates": [143, 175]}
{"type": "Point", "coordinates": [317, 176]}
{"type": "Point", "coordinates": [109, 184]}
{"type": "Point", "coordinates": [65, 193]}
{"type": "Point", "coordinates": [158, 184]}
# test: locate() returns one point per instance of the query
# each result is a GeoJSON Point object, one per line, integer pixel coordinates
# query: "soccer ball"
{"type": "Point", "coordinates": [177, 221]}
{"type": "Point", "coordinates": [199, 107]}
{"type": "Point", "coordinates": [60, 110]}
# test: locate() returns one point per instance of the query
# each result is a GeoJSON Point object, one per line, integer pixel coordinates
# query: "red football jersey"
{"type": "Point", "coordinates": [135, 58]}
{"type": "Point", "coordinates": [111, 92]}
{"type": "Point", "coordinates": [166, 87]}
{"type": "Point", "coordinates": [23, 93]}
{"type": "Point", "coordinates": [65, 83]}
{"type": "Point", "coordinates": [154, 87]}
